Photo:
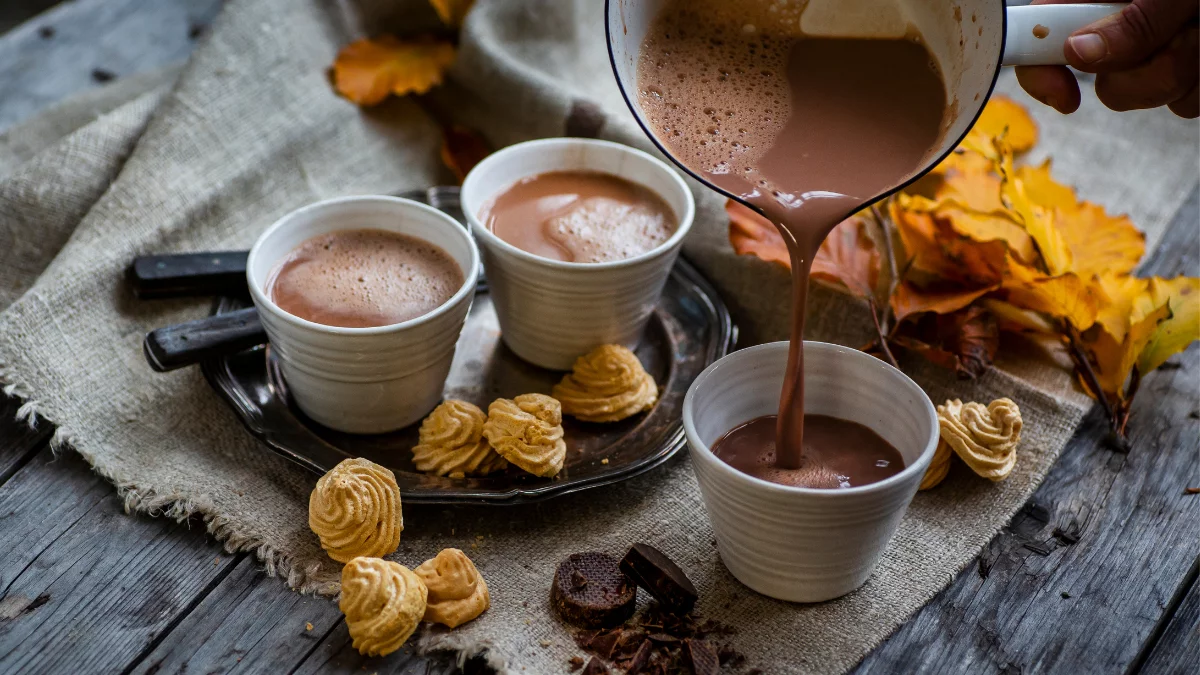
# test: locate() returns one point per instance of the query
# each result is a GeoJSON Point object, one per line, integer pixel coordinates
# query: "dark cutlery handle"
{"type": "Point", "coordinates": [172, 276]}
{"type": "Point", "coordinates": [188, 343]}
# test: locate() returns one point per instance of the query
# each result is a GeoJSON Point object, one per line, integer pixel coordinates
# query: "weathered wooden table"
{"type": "Point", "coordinates": [1097, 574]}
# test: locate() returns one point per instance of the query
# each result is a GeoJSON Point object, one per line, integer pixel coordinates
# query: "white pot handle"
{"type": "Point", "coordinates": [1037, 33]}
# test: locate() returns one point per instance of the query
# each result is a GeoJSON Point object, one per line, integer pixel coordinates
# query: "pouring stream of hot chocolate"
{"type": "Point", "coordinates": [806, 130]}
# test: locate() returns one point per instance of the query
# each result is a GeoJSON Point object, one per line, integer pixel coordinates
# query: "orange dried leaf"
{"type": "Point", "coordinates": [752, 234]}
{"type": "Point", "coordinates": [1017, 320]}
{"type": "Point", "coordinates": [452, 12]}
{"type": "Point", "coordinates": [1043, 189]}
{"type": "Point", "coordinates": [462, 149]}
{"type": "Point", "coordinates": [368, 70]}
{"type": "Point", "coordinates": [1112, 359]}
{"type": "Point", "coordinates": [848, 258]}
{"type": "Point", "coordinates": [968, 178]}
{"type": "Point", "coordinates": [997, 225]}
{"type": "Point", "coordinates": [965, 341]}
{"type": "Point", "coordinates": [1004, 116]}
{"type": "Point", "coordinates": [909, 300]}
{"type": "Point", "coordinates": [938, 253]}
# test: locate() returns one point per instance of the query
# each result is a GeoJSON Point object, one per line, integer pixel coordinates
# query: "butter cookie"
{"type": "Point", "coordinates": [985, 438]}
{"type": "Point", "coordinates": [608, 384]}
{"type": "Point", "coordinates": [527, 431]}
{"type": "Point", "coordinates": [355, 510]}
{"type": "Point", "coordinates": [383, 602]}
{"type": "Point", "coordinates": [457, 592]}
{"type": "Point", "coordinates": [452, 443]}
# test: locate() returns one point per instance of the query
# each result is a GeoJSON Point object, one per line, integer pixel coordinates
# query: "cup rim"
{"type": "Point", "coordinates": [685, 219]}
{"type": "Point", "coordinates": [470, 275]}
{"type": "Point", "coordinates": [830, 350]}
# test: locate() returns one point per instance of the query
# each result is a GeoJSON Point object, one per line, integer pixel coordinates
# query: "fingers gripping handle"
{"type": "Point", "coordinates": [1037, 33]}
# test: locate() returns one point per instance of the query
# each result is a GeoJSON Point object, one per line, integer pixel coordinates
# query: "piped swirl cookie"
{"type": "Point", "coordinates": [527, 431]}
{"type": "Point", "coordinates": [457, 592]}
{"type": "Point", "coordinates": [985, 438]}
{"type": "Point", "coordinates": [355, 510]}
{"type": "Point", "coordinates": [939, 466]}
{"type": "Point", "coordinates": [383, 602]}
{"type": "Point", "coordinates": [608, 384]}
{"type": "Point", "coordinates": [452, 443]}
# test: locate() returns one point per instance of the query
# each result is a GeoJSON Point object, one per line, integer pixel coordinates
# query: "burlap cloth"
{"type": "Point", "coordinates": [250, 129]}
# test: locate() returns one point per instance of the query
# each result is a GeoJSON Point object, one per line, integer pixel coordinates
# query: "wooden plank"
{"type": "Point", "coordinates": [336, 655]}
{"type": "Point", "coordinates": [83, 44]}
{"type": "Point", "coordinates": [1178, 648]}
{"type": "Point", "coordinates": [85, 587]}
{"type": "Point", "coordinates": [18, 441]}
{"type": "Point", "coordinates": [1081, 578]}
{"type": "Point", "coordinates": [14, 12]}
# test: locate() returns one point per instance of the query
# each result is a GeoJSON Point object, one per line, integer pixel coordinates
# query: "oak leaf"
{"type": "Point", "coordinates": [452, 12]}
{"type": "Point", "coordinates": [752, 234]}
{"type": "Point", "coordinates": [462, 149]}
{"type": "Point", "coordinates": [369, 70]}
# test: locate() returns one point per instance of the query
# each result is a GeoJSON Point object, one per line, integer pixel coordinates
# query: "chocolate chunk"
{"type": "Point", "coordinates": [640, 659]}
{"type": "Point", "coordinates": [590, 590]}
{"type": "Point", "coordinates": [662, 578]}
{"type": "Point", "coordinates": [604, 642]}
{"type": "Point", "coordinates": [702, 658]}
{"type": "Point", "coordinates": [595, 667]}
{"type": "Point", "coordinates": [576, 663]}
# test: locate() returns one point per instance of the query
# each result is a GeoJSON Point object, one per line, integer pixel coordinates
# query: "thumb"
{"type": "Point", "coordinates": [1129, 36]}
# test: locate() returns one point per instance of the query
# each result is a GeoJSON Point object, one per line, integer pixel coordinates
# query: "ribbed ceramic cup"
{"type": "Point", "coordinates": [804, 544]}
{"type": "Point", "coordinates": [365, 380]}
{"type": "Point", "coordinates": [550, 311]}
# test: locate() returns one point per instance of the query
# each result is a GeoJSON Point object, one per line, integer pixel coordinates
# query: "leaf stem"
{"type": "Point", "coordinates": [1089, 375]}
{"type": "Point", "coordinates": [883, 343]}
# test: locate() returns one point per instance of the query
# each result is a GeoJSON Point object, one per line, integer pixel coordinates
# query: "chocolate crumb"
{"type": "Point", "coordinates": [102, 75]}
{"type": "Point", "coordinates": [46, 32]}
{"type": "Point", "coordinates": [576, 663]}
{"type": "Point", "coordinates": [701, 657]}
{"type": "Point", "coordinates": [640, 659]}
{"type": "Point", "coordinates": [195, 30]}
{"type": "Point", "coordinates": [595, 667]}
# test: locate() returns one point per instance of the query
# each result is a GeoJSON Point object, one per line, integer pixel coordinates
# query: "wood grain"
{"type": "Point", "coordinates": [83, 44]}
{"type": "Point", "coordinates": [19, 442]}
{"type": "Point", "coordinates": [86, 587]}
{"type": "Point", "coordinates": [1081, 578]}
{"type": "Point", "coordinates": [1178, 648]}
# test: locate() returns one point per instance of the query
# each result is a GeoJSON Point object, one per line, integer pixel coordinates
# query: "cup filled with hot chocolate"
{"type": "Point", "coordinates": [814, 530]}
{"type": "Point", "coordinates": [363, 299]}
{"type": "Point", "coordinates": [578, 238]}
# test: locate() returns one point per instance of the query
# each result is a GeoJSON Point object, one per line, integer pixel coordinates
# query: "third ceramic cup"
{"type": "Point", "coordinates": [794, 543]}
{"type": "Point", "coordinates": [551, 311]}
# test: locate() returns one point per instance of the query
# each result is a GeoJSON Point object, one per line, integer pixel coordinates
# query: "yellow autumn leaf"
{"type": "Point", "coordinates": [1180, 329]}
{"type": "Point", "coordinates": [1061, 296]}
{"type": "Point", "coordinates": [1043, 189]}
{"type": "Point", "coordinates": [1003, 116]}
{"type": "Point", "coordinates": [1099, 243]}
{"type": "Point", "coordinates": [1015, 319]}
{"type": "Point", "coordinates": [452, 12]}
{"type": "Point", "coordinates": [368, 70]}
{"type": "Point", "coordinates": [981, 226]}
{"type": "Point", "coordinates": [968, 178]}
{"type": "Point", "coordinates": [1121, 292]}
{"type": "Point", "coordinates": [1112, 359]}
{"type": "Point", "coordinates": [1037, 221]}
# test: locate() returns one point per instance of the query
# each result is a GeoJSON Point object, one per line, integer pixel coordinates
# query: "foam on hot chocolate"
{"type": "Point", "coordinates": [362, 278]}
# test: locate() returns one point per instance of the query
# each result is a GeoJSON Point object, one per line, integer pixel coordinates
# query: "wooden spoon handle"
{"type": "Point", "coordinates": [189, 343]}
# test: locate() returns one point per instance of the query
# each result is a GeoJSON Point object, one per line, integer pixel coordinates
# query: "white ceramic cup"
{"type": "Point", "coordinates": [805, 544]}
{"type": "Point", "coordinates": [364, 380]}
{"type": "Point", "coordinates": [550, 311]}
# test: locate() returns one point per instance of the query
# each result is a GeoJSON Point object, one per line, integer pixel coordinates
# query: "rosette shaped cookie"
{"type": "Point", "coordinates": [607, 384]}
{"type": "Point", "coordinates": [527, 431]}
{"type": "Point", "coordinates": [457, 593]}
{"type": "Point", "coordinates": [452, 443]}
{"type": "Point", "coordinates": [985, 438]}
{"type": "Point", "coordinates": [938, 467]}
{"type": "Point", "coordinates": [355, 510]}
{"type": "Point", "coordinates": [383, 602]}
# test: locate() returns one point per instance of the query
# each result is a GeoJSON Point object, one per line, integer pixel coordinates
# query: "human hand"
{"type": "Point", "coordinates": [1146, 56]}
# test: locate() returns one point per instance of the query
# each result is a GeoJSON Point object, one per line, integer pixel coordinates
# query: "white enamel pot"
{"type": "Point", "coordinates": [970, 39]}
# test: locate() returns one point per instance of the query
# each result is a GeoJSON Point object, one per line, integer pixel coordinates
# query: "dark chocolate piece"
{"type": "Point", "coordinates": [640, 659]}
{"type": "Point", "coordinates": [595, 667]}
{"type": "Point", "coordinates": [604, 642]}
{"type": "Point", "coordinates": [590, 590]}
{"type": "Point", "coordinates": [702, 658]}
{"type": "Point", "coordinates": [662, 578]}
